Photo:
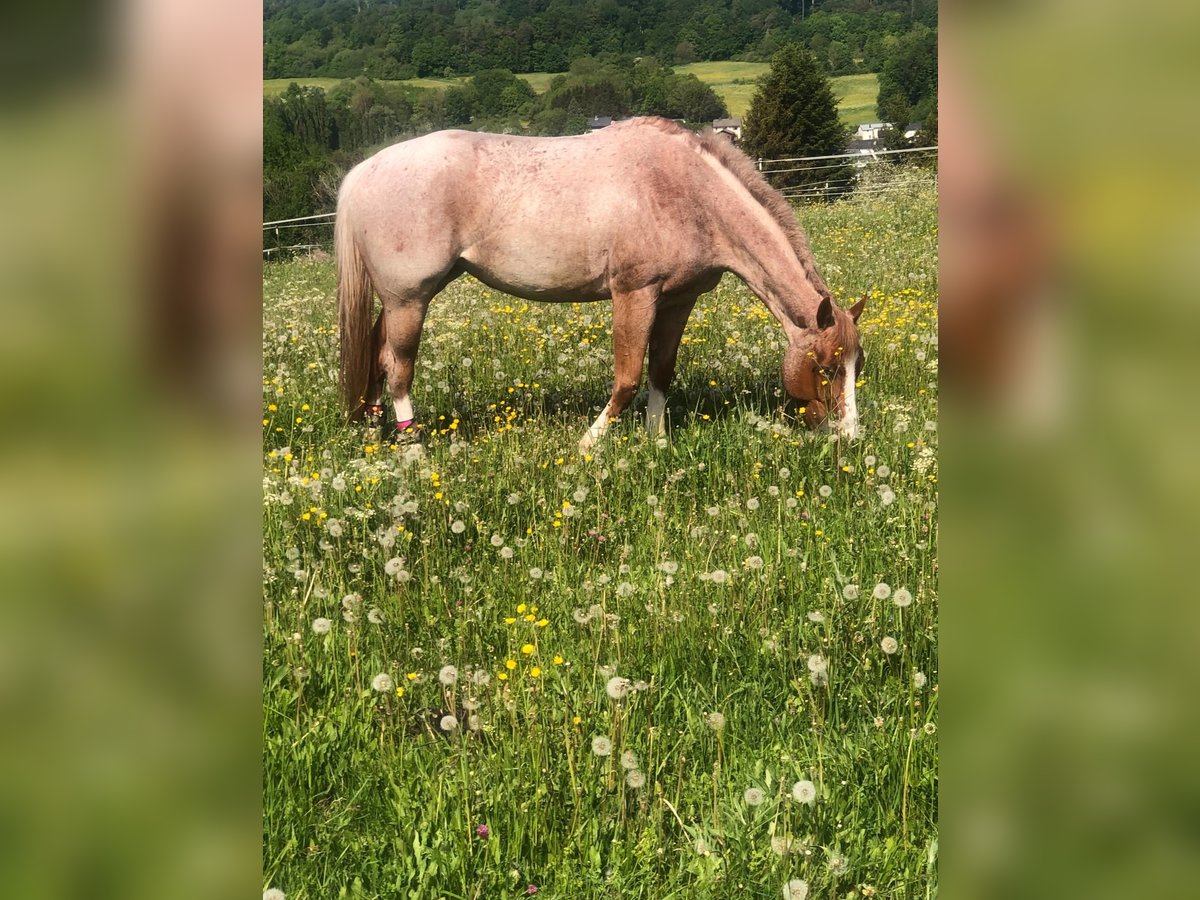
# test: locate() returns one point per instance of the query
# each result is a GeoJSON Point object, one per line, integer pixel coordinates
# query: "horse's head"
{"type": "Point", "coordinates": [822, 363]}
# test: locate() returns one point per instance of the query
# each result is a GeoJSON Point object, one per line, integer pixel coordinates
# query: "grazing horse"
{"type": "Point", "coordinates": [643, 212]}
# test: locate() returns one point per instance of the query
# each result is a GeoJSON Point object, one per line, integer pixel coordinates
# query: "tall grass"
{"type": "Point", "coordinates": [715, 571]}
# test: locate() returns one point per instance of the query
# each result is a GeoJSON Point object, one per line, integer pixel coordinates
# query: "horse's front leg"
{"type": "Point", "coordinates": [664, 348]}
{"type": "Point", "coordinates": [633, 318]}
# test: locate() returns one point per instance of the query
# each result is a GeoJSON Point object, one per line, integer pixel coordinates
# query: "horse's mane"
{"type": "Point", "coordinates": [770, 199]}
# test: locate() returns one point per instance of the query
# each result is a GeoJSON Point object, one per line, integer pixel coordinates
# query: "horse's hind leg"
{"type": "Point", "coordinates": [402, 323]}
{"type": "Point", "coordinates": [664, 348]}
{"type": "Point", "coordinates": [633, 317]}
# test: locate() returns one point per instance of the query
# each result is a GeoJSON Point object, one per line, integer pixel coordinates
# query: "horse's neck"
{"type": "Point", "coordinates": [758, 251]}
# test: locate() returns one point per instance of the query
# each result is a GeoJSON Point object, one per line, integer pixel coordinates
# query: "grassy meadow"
{"type": "Point", "coordinates": [735, 82]}
{"type": "Point", "coordinates": [684, 668]}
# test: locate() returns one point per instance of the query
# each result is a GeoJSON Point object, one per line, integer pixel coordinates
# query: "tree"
{"type": "Point", "coordinates": [793, 113]}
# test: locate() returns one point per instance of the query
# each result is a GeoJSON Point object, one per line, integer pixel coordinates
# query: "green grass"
{"type": "Point", "coordinates": [500, 537]}
{"type": "Point", "coordinates": [856, 96]}
{"type": "Point", "coordinates": [272, 87]}
{"type": "Point", "coordinates": [733, 81]}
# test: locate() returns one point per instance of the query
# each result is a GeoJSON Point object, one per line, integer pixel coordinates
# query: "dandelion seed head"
{"type": "Point", "coordinates": [274, 894]}
{"type": "Point", "coordinates": [754, 796]}
{"type": "Point", "coordinates": [602, 745]}
{"type": "Point", "coordinates": [383, 683]}
{"type": "Point", "coordinates": [796, 889]}
{"type": "Point", "coordinates": [617, 688]}
{"type": "Point", "coordinates": [850, 592]}
{"type": "Point", "coordinates": [321, 625]}
{"type": "Point", "coordinates": [458, 526]}
{"type": "Point", "coordinates": [448, 675]}
{"type": "Point", "coordinates": [919, 679]}
{"type": "Point", "coordinates": [825, 491]}
{"type": "Point", "coordinates": [506, 552]}
{"type": "Point", "coordinates": [375, 615]}
{"type": "Point", "coordinates": [804, 791]}
{"type": "Point", "coordinates": [715, 721]}
{"type": "Point", "coordinates": [782, 845]}
{"type": "Point", "coordinates": [883, 471]}
{"type": "Point", "coordinates": [635, 779]}
{"type": "Point", "coordinates": [629, 760]}
{"type": "Point", "coordinates": [881, 591]}
{"type": "Point", "coordinates": [448, 723]}
{"type": "Point", "coordinates": [889, 645]}
{"type": "Point", "coordinates": [818, 663]}
{"type": "Point", "coordinates": [902, 597]}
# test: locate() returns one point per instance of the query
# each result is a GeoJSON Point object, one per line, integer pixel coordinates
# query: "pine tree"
{"type": "Point", "coordinates": [793, 113]}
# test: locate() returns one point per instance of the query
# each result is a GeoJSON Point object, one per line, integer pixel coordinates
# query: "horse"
{"type": "Point", "coordinates": [644, 212]}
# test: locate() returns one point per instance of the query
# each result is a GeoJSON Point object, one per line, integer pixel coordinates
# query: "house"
{"type": "Point", "coordinates": [597, 122]}
{"type": "Point", "coordinates": [731, 128]}
{"type": "Point", "coordinates": [869, 131]}
{"type": "Point", "coordinates": [911, 129]}
{"type": "Point", "coordinates": [862, 147]}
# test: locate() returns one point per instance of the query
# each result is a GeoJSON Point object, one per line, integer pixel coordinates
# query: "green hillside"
{"type": "Point", "coordinates": [733, 81]}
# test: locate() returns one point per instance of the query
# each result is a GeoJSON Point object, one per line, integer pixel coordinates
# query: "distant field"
{"type": "Point", "coordinates": [721, 77]}
{"type": "Point", "coordinates": [856, 95]}
{"type": "Point", "coordinates": [272, 87]}
{"type": "Point", "coordinates": [733, 81]}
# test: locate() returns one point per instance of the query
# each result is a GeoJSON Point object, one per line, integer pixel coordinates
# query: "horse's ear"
{"type": "Point", "coordinates": [857, 308]}
{"type": "Point", "coordinates": [825, 314]}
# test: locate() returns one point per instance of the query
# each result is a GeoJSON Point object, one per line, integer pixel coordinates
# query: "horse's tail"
{"type": "Point", "coordinates": [354, 311]}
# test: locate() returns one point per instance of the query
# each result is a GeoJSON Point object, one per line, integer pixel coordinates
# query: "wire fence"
{"type": "Point", "coordinates": [801, 179]}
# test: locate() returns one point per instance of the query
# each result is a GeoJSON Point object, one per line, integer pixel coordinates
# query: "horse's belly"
{"type": "Point", "coordinates": [535, 275]}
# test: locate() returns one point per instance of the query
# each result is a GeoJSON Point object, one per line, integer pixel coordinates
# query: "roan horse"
{"type": "Point", "coordinates": [643, 212]}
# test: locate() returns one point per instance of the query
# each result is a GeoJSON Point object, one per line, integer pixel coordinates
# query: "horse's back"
{"type": "Point", "coordinates": [543, 218]}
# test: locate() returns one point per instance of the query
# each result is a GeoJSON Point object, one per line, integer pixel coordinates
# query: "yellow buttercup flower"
{"type": "Point", "coordinates": [527, 649]}
{"type": "Point", "coordinates": [510, 664]}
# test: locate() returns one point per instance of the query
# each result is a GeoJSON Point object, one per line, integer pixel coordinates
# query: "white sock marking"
{"type": "Point", "coordinates": [404, 409]}
{"type": "Point", "coordinates": [849, 424]}
{"type": "Point", "coordinates": [656, 407]}
{"type": "Point", "coordinates": [596, 431]}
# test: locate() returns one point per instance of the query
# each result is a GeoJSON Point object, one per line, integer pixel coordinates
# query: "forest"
{"type": "Point", "coordinates": [612, 59]}
{"type": "Point", "coordinates": [400, 39]}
